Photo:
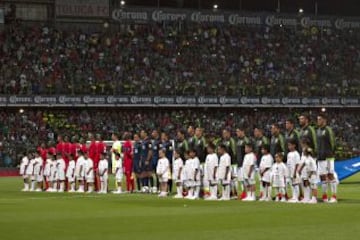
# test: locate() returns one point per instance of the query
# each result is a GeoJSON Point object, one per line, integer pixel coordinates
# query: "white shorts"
{"type": "Point", "coordinates": [104, 178]}
{"type": "Point", "coordinates": [163, 179]}
{"type": "Point", "coordinates": [60, 176]}
{"type": "Point", "coordinates": [39, 178]}
{"type": "Point", "coordinates": [266, 177]}
{"type": "Point", "coordinates": [326, 167]}
{"type": "Point", "coordinates": [234, 172]}
{"type": "Point", "coordinates": [119, 177]}
{"type": "Point", "coordinates": [90, 179]}
{"type": "Point", "coordinates": [176, 179]}
{"type": "Point", "coordinates": [249, 180]}
{"type": "Point", "coordinates": [278, 182]}
{"type": "Point", "coordinates": [71, 179]}
{"type": "Point", "coordinates": [295, 181]}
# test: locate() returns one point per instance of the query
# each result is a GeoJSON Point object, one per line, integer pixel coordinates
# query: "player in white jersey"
{"type": "Point", "coordinates": [103, 173]}
{"type": "Point", "coordinates": [30, 172]}
{"type": "Point", "coordinates": [118, 173]}
{"type": "Point", "coordinates": [195, 164]}
{"type": "Point", "coordinates": [163, 172]}
{"type": "Point", "coordinates": [293, 161]}
{"type": "Point", "coordinates": [308, 169]}
{"type": "Point", "coordinates": [211, 168]}
{"type": "Point", "coordinates": [60, 172]}
{"type": "Point", "coordinates": [23, 166]}
{"type": "Point", "coordinates": [224, 172]}
{"type": "Point", "coordinates": [38, 171]}
{"type": "Point", "coordinates": [249, 172]}
{"type": "Point", "coordinates": [116, 148]}
{"type": "Point", "coordinates": [70, 173]}
{"type": "Point", "coordinates": [178, 174]}
{"type": "Point", "coordinates": [47, 171]}
{"type": "Point", "coordinates": [80, 171]}
{"type": "Point", "coordinates": [279, 173]}
{"type": "Point", "coordinates": [89, 173]}
{"type": "Point", "coordinates": [266, 163]}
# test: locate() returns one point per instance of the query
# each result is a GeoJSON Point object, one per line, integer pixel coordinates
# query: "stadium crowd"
{"type": "Point", "coordinates": [20, 132]}
{"type": "Point", "coordinates": [165, 59]}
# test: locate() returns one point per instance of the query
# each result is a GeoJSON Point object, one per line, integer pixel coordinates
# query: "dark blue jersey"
{"type": "Point", "coordinates": [169, 151]}
{"type": "Point", "coordinates": [155, 146]}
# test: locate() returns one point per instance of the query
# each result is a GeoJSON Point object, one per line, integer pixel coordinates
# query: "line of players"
{"type": "Point", "coordinates": [140, 161]}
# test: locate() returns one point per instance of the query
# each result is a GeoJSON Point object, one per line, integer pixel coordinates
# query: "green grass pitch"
{"type": "Point", "coordinates": [35, 216]}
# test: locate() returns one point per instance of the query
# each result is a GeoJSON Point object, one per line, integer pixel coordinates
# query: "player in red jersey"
{"type": "Point", "coordinates": [100, 148]}
{"type": "Point", "coordinates": [83, 146]}
{"type": "Point", "coordinates": [128, 162]}
{"type": "Point", "coordinates": [92, 148]}
{"type": "Point", "coordinates": [75, 147]}
{"type": "Point", "coordinates": [60, 145]}
{"type": "Point", "coordinates": [66, 150]}
{"type": "Point", "coordinates": [51, 149]}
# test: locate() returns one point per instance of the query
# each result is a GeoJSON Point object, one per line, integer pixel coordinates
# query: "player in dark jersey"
{"type": "Point", "coordinates": [292, 134]}
{"type": "Point", "coordinates": [155, 144]}
{"type": "Point", "coordinates": [307, 131]}
{"type": "Point", "coordinates": [241, 141]}
{"type": "Point", "coordinates": [137, 166]}
{"type": "Point", "coordinates": [259, 140]}
{"type": "Point", "coordinates": [277, 141]}
{"type": "Point", "coordinates": [181, 143]}
{"type": "Point", "coordinates": [230, 144]}
{"type": "Point", "coordinates": [326, 158]}
{"type": "Point", "coordinates": [146, 156]}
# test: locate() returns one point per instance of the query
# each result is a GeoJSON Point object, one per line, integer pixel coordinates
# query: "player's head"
{"type": "Point", "coordinates": [66, 138]}
{"type": "Point", "coordinates": [210, 148]}
{"type": "Point", "coordinates": [80, 153]}
{"type": "Point", "coordinates": [265, 149]}
{"type": "Point", "coordinates": [114, 136]}
{"type": "Point", "coordinates": [36, 153]}
{"type": "Point", "coordinates": [279, 157]}
{"type": "Point", "coordinates": [304, 119]}
{"type": "Point", "coordinates": [155, 134]}
{"type": "Point", "coordinates": [143, 134]}
{"type": "Point", "coordinates": [226, 133]}
{"type": "Point", "coordinates": [59, 138]}
{"type": "Point", "coordinates": [292, 145]}
{"type": "Point", "coordinates": [191, 130]}
{"type": "Point", "coordinates": [181, 134]}
{"type": "Point", "coordinates": [127, 136]}
{"type": "Point", "coordinates": [222, 149]}
{"type": "Point", "coordinates": [98, 137]}
{"type": "Point", "coordinates": [162, 153]}
{"type": "Point", "coordinates": [199, 132]}
{"type": "Point", "coordinates": [58, 155]}
{"type": "Point", "coordinates": [275, 129]}
{"type": "Point", "coordinates": [164, 136]}
{"type": "Point", "coordinates": [136, 137]}
{"type": "Point", "coordinates": [248, 147]}
{"type": "Point", "coordinates": [117, 156]}
{"type": "Point", "coordinates": [240, 132]}
{"type": "Point", "coordinates": [321, 120]}
{"type": "Point", "coordinates": [258, 132]}
{"type": "Point", "coordinates": [289, 124]}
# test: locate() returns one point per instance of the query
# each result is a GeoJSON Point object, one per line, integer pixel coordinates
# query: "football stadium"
{"type": "Point", "coordinates": [179, 119]}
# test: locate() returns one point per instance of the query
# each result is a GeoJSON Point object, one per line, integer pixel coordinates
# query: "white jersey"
{"type": "Point", "coordinates": [53, 171]}
{"type": "Point", "coordinates": [266, 162]}
{"type": "Point", "coordinates": [60, 169]}
{"type": "Point", "coordinates": [211, 162]}
{"type": "Point", "coordinates": [310, 164]}
{"type": "Point", "coordinates": [103, 168]}
{"type": "Point", "coordinates": [196, 166]}
{"type": "Point", "coordinates": [89, 168]}
{"type": "Point", "coordinates": [47, 168]}
{"type": "Point", "coordinates": [279, 173]}
{"type": "Point", "coordinates": [177, 166]}
{"type": "Point", "coordinates": [70, 172]}
{"type": "Point", "coordinates": [117, 146]}
{"type": "Point", "coordinates": [224, 163]}
{"type": "Point", "coordinates": [249, 161]}
{"type": "Point", "coordinates": [293, 159]}
{"type": "Point", "coordinates": [30, 167]}
{"type": "Point", "coordinates": [162, 168]}
{"type": "Point", "coordinates": [79, 168]}
{"type": "Point", "coordinates": [23, 165]}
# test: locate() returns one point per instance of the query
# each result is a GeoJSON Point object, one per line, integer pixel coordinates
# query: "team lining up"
{"type": "Point", "coordinates": [214, 178]}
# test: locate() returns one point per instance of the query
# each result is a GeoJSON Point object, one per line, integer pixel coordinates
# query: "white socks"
{"type": "Point", "coordinates": [307, 193]}
{"type": "Point", "coordinates": [333, 186]}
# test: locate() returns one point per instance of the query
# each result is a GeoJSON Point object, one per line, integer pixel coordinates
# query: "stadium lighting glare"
{"type": "Point", "coordinates": [21, 110]}
{"type": "Point", "coordinates": [301, 10]}
{"type": "Point", "coordinates": [215, 6]}
{"type": "Point", "coordinates": [122, 3]}
{"type": "Point", "coordinates": [323, 109]}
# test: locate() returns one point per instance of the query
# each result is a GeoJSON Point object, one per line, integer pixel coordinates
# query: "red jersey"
{"type": "Point", "coordinates": [92, 150]}
{"type": "Point", "coordinates": [75, 148]}
{"type": "Point", "coordinates": [60, 147]}
{"type": "Point", "coordinates": [66, 151]}
{"type": "Point", "coordinates": [83, 147]}
{"type": "Point", "coordinates": [43, 153]}
{"type": "Point", "coordinates": [128, 156]}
